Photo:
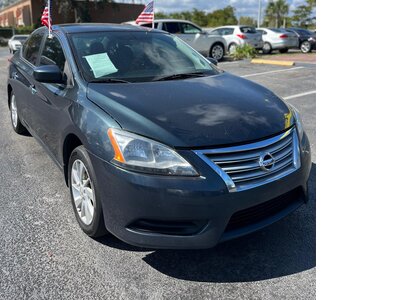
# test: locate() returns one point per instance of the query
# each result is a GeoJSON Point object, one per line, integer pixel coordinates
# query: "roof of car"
{"type": "Point", "coordinates": [95, 27]}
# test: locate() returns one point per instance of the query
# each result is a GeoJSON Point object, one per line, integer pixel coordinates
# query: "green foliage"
{"type": "Point", "coordinates": [219, 17]}
{"type": "Point", "coordinates": [276, 13]}
{"type": "Point", "coordinates": [247, 21]}
{"type": "Point", "coordinates": [303, 15]}
{"type": "Point", "coordinates": [244, 51]}
{"type": "Point", "coordinates": [24, 29]}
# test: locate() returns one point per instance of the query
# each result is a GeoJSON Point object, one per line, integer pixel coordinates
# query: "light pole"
{"type": "Point", "coordinates": [259, 14]}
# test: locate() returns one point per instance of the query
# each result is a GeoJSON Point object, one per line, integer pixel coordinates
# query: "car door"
{"type": "Point", "coordinates": [23, 80]}
{"type": "Point", "coordinates": [54, 100]}
{"type": "Point", "coordinates": [195, 37]}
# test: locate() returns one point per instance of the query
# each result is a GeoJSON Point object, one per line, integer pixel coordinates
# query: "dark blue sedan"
{"type": "Point", "coordinates": [158, 145]}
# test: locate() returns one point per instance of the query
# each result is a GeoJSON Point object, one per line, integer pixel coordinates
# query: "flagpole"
{"type": "Point", "coordinates": [50, 20]}
{"type": "Point", "coordinates": [154, 13]}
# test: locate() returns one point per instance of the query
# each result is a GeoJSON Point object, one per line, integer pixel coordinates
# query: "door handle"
{"type": "Point", "coordinates": [33, 90]}
{"type": "Point", "coordinates": [15, 75]}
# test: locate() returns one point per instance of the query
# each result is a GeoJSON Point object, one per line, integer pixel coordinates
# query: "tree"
{"type": "Point", "coordinates": [220, 17]}
{"type": "Point", "coordinates": [276, 13]}
{"type": "Point", "coordinates": [247, 21]}
{"type": "Point", "coordinates": [303, 15]}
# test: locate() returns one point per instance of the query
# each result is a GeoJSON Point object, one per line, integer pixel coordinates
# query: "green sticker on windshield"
{"type": "Point", "coordinates": [100, 64]}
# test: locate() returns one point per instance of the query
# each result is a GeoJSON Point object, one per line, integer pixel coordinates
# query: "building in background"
{"type": "Point", "coordinates": [28, 12]}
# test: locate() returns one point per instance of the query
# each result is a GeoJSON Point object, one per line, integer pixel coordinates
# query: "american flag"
{"type": "Point", "coordinates": [147, 14]}
{"type": "Point", "coordinates": [46, 20]}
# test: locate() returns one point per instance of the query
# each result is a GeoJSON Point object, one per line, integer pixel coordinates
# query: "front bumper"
{"type": "Point", "coordinates": [191, 213]}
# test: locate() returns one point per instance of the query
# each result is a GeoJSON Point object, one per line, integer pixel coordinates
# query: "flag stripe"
{"type": "Point", "coordinates": [147, 15]}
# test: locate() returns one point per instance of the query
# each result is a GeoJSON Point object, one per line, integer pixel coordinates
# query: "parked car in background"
{"type": "Point", "coordinates": [239, 35]}
{"type": "Point", "coordinates": [16, 42]}
{"type": "Point", "coordinates": [307, 39]}
{"type": "Point", "coordinates": [156, 144]}
{"type": "Point", "coordinates": [207, 44]}
{"type": "Point", "coordinates": [278, 39]}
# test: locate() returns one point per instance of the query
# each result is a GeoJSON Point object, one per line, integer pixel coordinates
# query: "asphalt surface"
{"type": "Point", "coordinates": [44, 254]}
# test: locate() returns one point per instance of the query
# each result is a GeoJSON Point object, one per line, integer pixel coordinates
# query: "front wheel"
{"type": "Point", "coordinates": [305, 47]}
{"type": "Point", "coordinates": [85, 198]}
{"type": "Point", "coordinates": [15, 120]}
{"type": "Point", "coordinates": [217, 52]}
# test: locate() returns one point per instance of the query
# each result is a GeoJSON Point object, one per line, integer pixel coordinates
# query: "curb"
{"type": "Point", "coordinates": [272, 62]}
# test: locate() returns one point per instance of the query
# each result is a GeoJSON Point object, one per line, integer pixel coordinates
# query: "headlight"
{"type": "Point", "coordinates": [144, 155]}
{"type": "Point", "coordinates": [298, 120]}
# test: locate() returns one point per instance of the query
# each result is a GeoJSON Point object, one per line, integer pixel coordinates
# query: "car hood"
{"type": "Point", "coordinates": [200, 112]}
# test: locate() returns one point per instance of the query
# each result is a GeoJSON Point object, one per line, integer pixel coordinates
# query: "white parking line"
{"type": "Point", "coordinates": [299, 95]}
{"type": "Point", "coordinates": [270, 72]}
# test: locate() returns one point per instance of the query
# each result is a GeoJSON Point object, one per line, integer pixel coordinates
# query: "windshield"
{"type": "Point", "coordinates": [136, 56]}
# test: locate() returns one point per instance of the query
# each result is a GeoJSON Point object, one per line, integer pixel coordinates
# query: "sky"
{"type": "Point", "coordinates": [243, 7]}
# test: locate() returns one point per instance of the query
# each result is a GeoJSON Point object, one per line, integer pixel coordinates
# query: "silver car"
{"type": "Point", "coordinates": [238, 36]}
{"type": "Point", "coordinates": [16, 42]}
{"type": "Point", "coordinates": [209, 45]}
{"type": "Point", "coordinates": [278, 39]}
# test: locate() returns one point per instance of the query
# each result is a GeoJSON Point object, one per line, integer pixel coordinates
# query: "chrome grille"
{"type": "Point", "coordinates": [241, 166]}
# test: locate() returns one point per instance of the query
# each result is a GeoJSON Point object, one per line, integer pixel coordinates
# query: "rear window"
{"type": "Point", "coordinates": [278, 30]}
{"type": "Point", "coordinates": [248, 29]}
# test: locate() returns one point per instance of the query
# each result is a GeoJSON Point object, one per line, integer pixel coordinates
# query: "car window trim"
{"type": "Point", "coordinates": [56, 35]}
{"type": "Point", "coordinates": [40, 48]}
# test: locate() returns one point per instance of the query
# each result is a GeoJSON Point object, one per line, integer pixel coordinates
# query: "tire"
{"type": "Point", "coordinates": [232, 48]}
{"type": "Point", "coordinates": [15, 120]}
{"type": "Point", "coordinates": [284, 50]}
{"type": "Point", "coordinates": [305, 47]}
{"type": "Point", "coordinates": [89, 211]}
{"type": "Point", "coordinates": [217, 51]}
{"type": "Point", "coordinates": [267, 49]}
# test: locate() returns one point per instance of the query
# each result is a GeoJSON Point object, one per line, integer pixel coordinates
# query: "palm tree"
{"type": "Point", "coordinates": [277, 11]}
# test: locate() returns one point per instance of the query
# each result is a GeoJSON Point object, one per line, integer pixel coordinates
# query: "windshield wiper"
{"type": "Point", "coordinates": [180, 76]}
{"type": "Point", "coordinates": [109, 80]}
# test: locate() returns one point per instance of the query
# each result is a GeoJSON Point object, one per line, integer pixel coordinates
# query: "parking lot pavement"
{"type": "Point", "coordinates": [44, 254]}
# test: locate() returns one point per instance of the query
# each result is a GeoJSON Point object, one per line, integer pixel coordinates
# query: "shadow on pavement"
{"type": "Point", "coordinates": [284, 248]}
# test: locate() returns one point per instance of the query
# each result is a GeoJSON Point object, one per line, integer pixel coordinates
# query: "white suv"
{"type": "Point", "coordinates": [207, 44]}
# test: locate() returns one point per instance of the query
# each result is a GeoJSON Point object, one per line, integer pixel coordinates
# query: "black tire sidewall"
{"type": "Point", "coordinates": [96, 228]}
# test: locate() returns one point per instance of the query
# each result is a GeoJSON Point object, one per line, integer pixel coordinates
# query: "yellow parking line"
{"type": "Point", "coordinates": [272, 62]}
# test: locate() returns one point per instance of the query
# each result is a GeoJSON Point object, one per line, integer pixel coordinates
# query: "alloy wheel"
{"type": "Point", "coordinates": [217, 52]}
{"type": "Point", "coordinates": [82, 192]}
{"type": "Point", "coordinates": [305, 47]}
{"type": "Point", "coordinates": [14, 112]}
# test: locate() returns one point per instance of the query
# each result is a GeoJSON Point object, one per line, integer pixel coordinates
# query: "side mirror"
{"type": "Point", "coordinates": [213, 61]}
{"type": "Point", "coordinates": [48, 74]}
{"type": "Point", "coordinates": [204, 32]}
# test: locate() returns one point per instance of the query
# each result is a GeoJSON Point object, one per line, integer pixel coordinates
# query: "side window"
{"type": "Point", "coordinates": [53, 54]}
{"type": "Point", "coordinates": [228, 31]}
{"type": "Point", "coordinates": [190, 29]}
{"type": "Point", "coordinates": [173, 27]}
{"type": "Point", "coordinates": [32, 47]}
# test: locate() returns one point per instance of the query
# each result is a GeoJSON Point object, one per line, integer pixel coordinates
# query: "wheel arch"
{"type": "Point", "coordinates": [71, 142]}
